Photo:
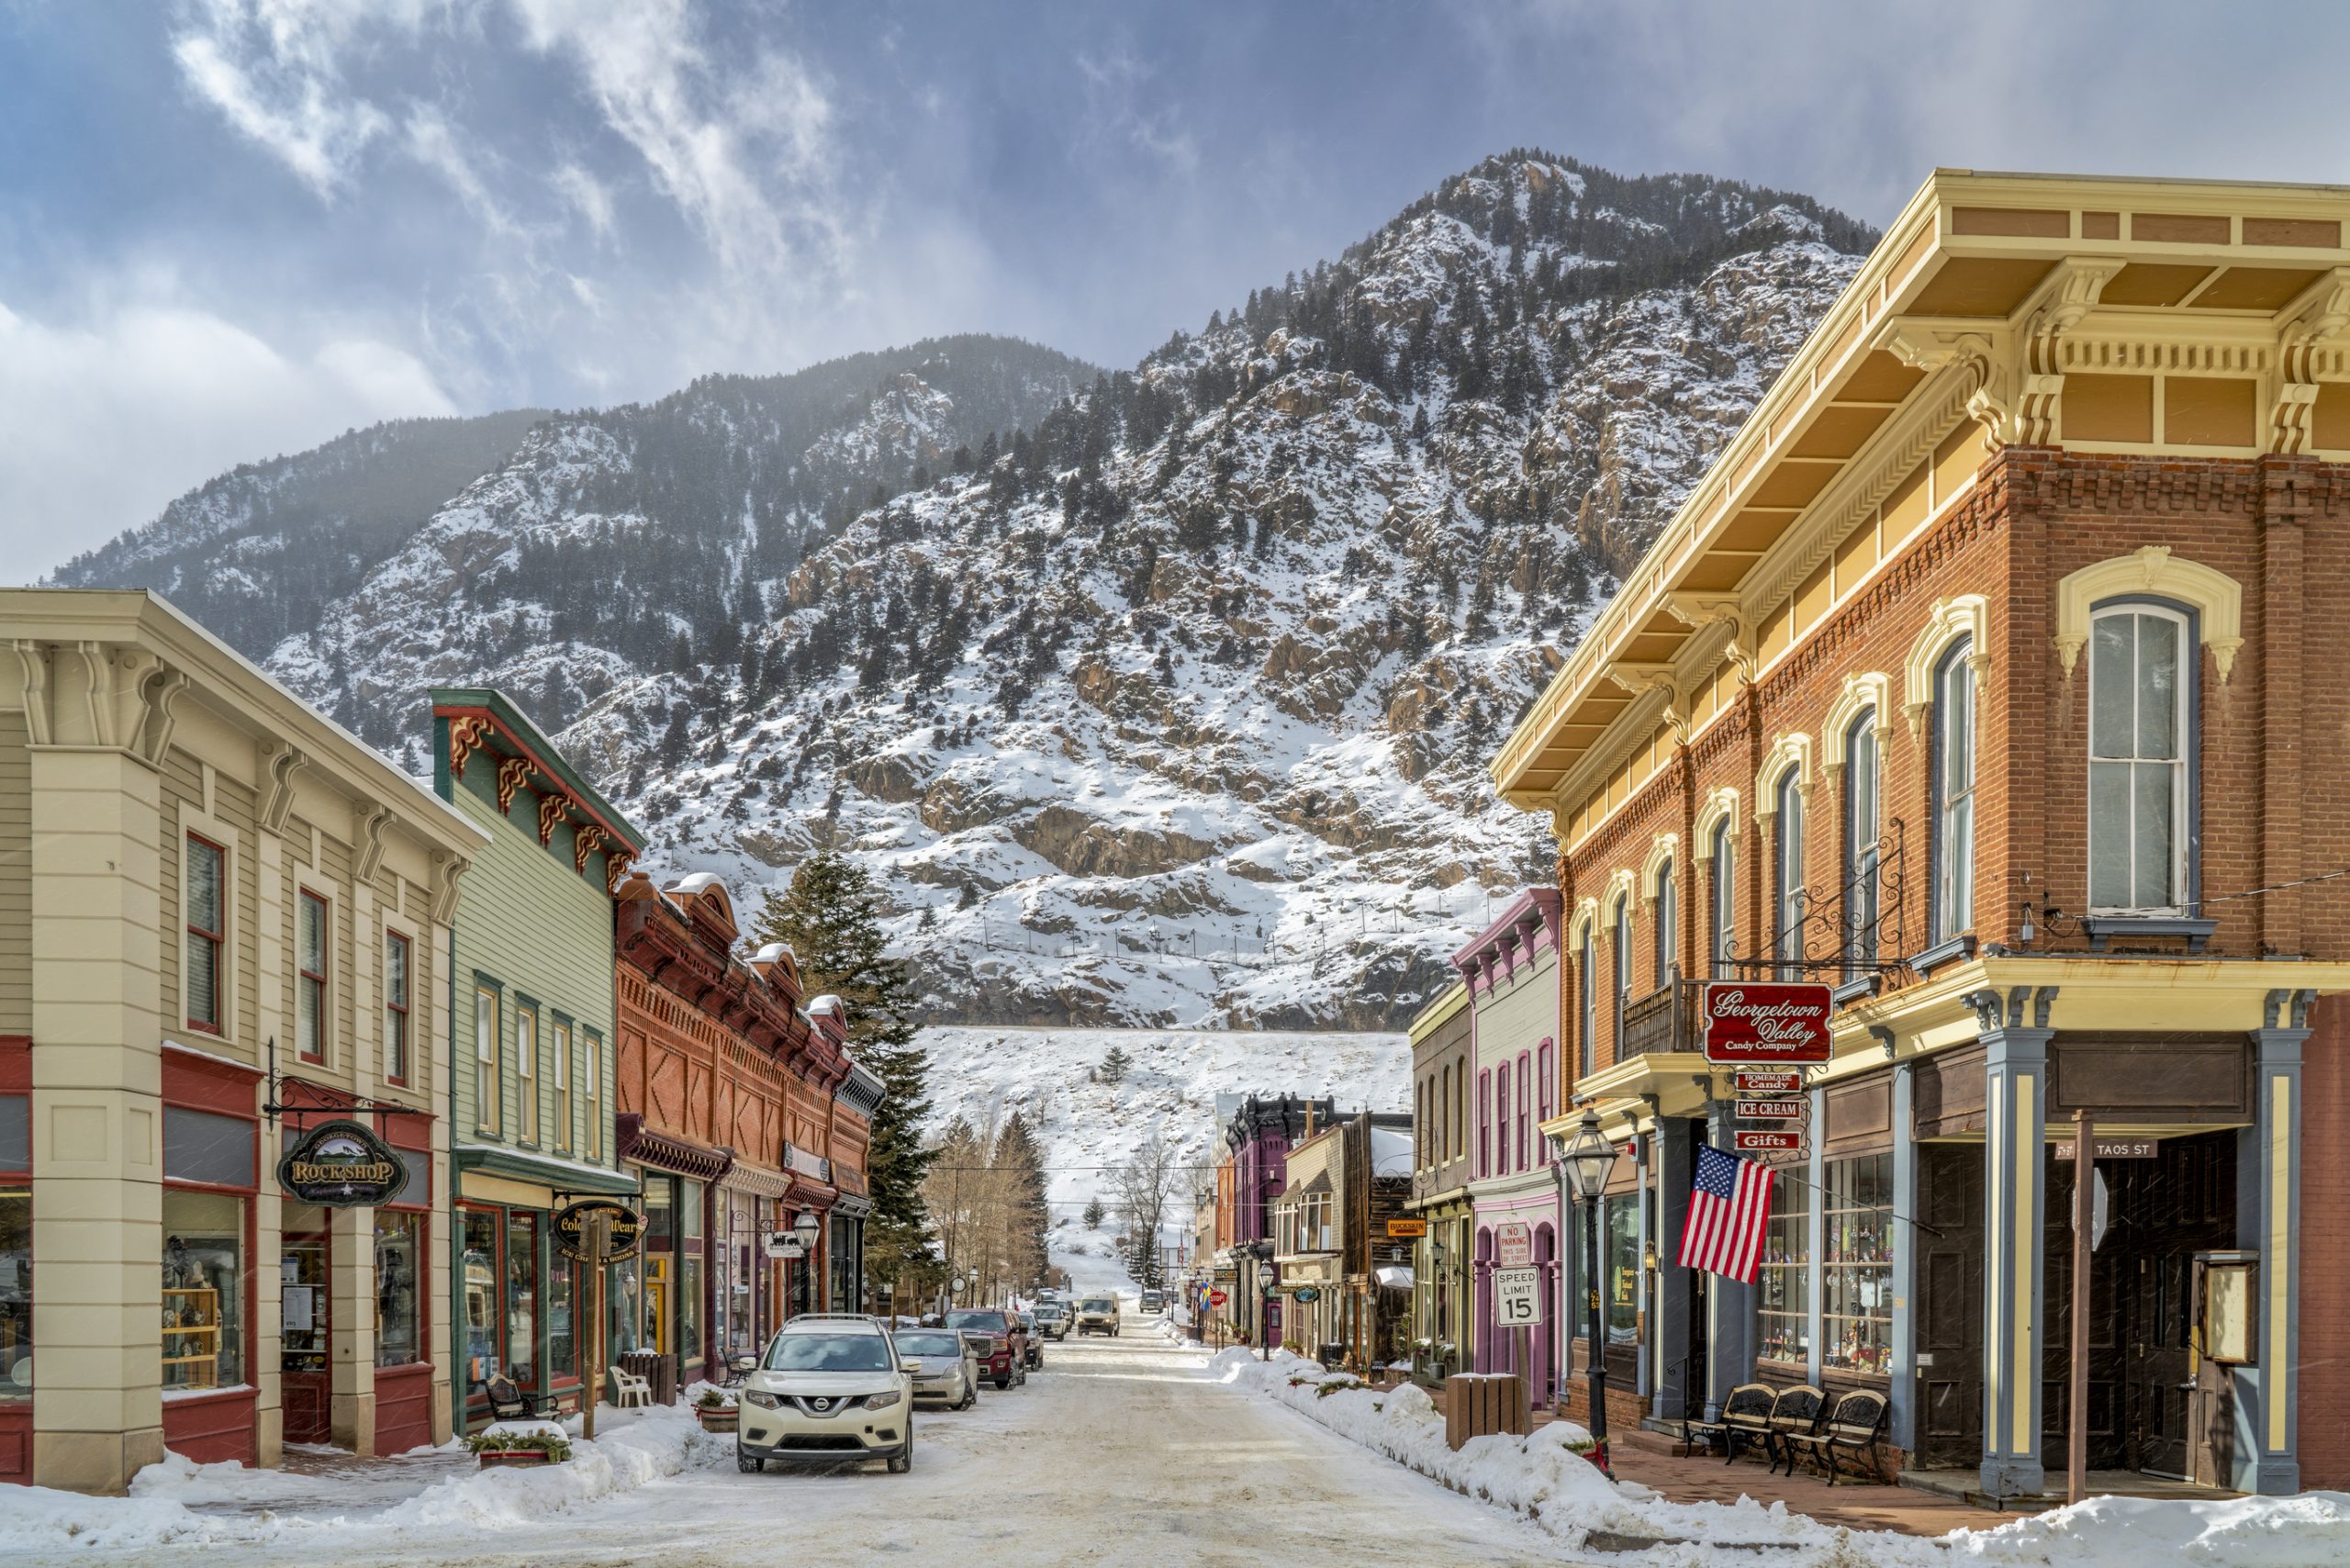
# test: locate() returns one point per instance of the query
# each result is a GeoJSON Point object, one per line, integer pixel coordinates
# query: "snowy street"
{"type": "Point", "coordinates": [1119, 1450]}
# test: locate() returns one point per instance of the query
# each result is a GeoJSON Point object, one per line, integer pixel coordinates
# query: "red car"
{"type": "Point", "coordinates": [997, 1340]}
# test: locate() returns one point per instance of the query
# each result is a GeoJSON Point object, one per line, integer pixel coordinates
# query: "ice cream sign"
{"type": "Point", "coordinates": [1753, 1023]}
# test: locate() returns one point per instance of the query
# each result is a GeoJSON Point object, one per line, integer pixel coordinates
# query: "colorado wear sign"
{"type": "Point", "coordinates": [342, 1165]}
{"type": "Point", "coordinates": [571, 1229]}
{"type": "Point", "coordinates": [1750, 1023]}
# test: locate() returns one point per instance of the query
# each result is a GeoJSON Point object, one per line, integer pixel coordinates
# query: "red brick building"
{"type": "Point", "coordinates": [1986, 678]}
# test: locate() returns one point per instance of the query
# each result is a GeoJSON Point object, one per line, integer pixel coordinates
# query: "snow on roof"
{"type": "Point", "coordinates": [1391, 1151]}
{"type": "Point", "coordinates": [775, 952]}
{"type": "Point", "coordinates": [825, 1004]}
{"type": "Point", "coordinates": [693, 882]}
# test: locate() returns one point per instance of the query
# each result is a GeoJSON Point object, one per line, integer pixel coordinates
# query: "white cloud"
{"type": "Point", "coordinates": [110, 419]}
{"type": "Point", "coordinates": [585, 195]}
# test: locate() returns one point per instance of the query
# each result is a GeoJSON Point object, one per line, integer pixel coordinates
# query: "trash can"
{"type": "Point", "coordinates": [655, 1369]}
{"type": "Point", "coordinates": [1330, 1352]}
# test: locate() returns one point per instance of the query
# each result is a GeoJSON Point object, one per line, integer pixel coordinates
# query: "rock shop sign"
{"type": "Point", "coordinates": [342, 1165]}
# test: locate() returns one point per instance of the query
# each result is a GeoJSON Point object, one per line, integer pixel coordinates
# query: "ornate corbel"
{"type": "Point", "coordinates": [2074, 292]}
{"type": "Point", "coordinates": [159, 695]}
{"type": "Point", "coordinates": [552, 809]}
{"type": "Point", "coordinates": [372, 820]}
{"type": "Point", "coordinates": [280, 760]}
{"type": "Point", "coordinates": [1639, 679]}
{"type": "Point", "coordinates": [513, 772]}
{"type": "Point", "coordinates": [1982, 384]}
{"type": "Point", "coordinates": [32, 669]}
{"type": "Point", "coordinates": [2315, 320]}
{"type": "Point", "coordinates": [584, 843]}
{"type": "Point", "coordinates": [466, 733]}
{"type": "Point", "coordinates": [440, 906]}
{"type": "Point", "coordinates": [1702, 609]}
{"type": "Point", "coordinates": [616, 865]}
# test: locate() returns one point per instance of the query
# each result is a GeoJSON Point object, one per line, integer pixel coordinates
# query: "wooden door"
{"type": "Point", "coordinates": [2109, 1376]}
{"type": "Point", "coordinates": [2166, 1210]}
{"type": "Point", "coordinates": [1950, 1304]}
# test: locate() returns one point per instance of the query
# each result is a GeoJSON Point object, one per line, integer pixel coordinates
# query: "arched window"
{"type": "Point", "coordinates": [1484, 1124]}
{"type": "Point", "coordinates": [1862, 848]}
{"type": "Point", "coordinates": [1786, 942]}
{"type": "Point", "coordinates": [1722, 940]}
{"type": "Point", "coordinates": [1953, 804]}
{"type": "Point", "coordinates": [1460, 1106]}
{"type": "Point", "coordinates": [1545, 1074]}
{"type": "Point", "coordinates": [1623, 946]}
{"type": "Point", "coordinates": [2140, 816]}
{"type": "Point", "coordinates": [1589, 985]}
{"type": "Point", "coordinates": [1525, 1104]}
{"type": "Point", "coordinates": [1668, 923]}
{"type": "Point", "coordinates": [1444, 1110]}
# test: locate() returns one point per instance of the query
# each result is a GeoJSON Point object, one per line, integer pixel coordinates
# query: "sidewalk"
{"type": "Point", "coordinates": [1697, 1478]}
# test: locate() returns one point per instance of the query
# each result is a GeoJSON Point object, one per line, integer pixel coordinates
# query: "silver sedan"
{"type": "Point", "coordinates": [945, 1370]}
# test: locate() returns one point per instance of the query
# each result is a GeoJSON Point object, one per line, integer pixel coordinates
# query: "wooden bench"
{"type": "Point", "coordinates": [1855, 1426]}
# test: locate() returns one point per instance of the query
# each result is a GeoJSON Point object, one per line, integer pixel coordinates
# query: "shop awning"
{"type": "Point", "coordinates": [1394, 1277]}
{"type": "Point", "coordinates": [567, 1176]}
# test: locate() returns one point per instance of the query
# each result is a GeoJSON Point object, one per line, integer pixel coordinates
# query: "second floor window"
{"type": "Point", "coordinates": [1484, 1124]}
{"type": "Point", "coordinates": [1623, 946]}
{"type": "Point", "coordinates": [396, 1007]}
{"type": "Point", "coordinates": [1525, 1104]}
{"type": "Point", "coordinates": [2138, 778]}
{"type": "Point", "coordinates": [1861, 843]}
{"type": "Point", "coordinates": [594, 1081]}
{"type": "Point", "coordinates": [1501, 1117]}
{"type": "Point", "coordinates": [562, 1075]}
{"type": "Point", "coordinates": [1787, 943]}
{"type": "Point", "coordinates": [487, 1089]}
{"type": "Point", "coordinates": [1954, 763]}
{"type": "Point", "coordinates": [1546, 1073]}
{"type": "Point", "coordinates": [310, 981]}
{"type": "Point", "coordinates": [1722, 915]}
{"type": "Point", "coordinates": [1588, 983]}
{"type": "Point", "coordinates": [206, 933]}
{"type": "Point", "coordinates": [526, 1075]}
{"type": "Point", "coordinates": [1668, 925]}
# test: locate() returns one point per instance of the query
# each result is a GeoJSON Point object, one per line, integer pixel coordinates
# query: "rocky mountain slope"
{"type": "Point", "coordinates": [1172, 706]}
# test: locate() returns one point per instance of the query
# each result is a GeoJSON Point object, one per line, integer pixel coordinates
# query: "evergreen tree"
{"type": "Point", "coordinates": [1114, 1065]}
{"type": "Point", "coordinates": [1021, 1160]}
{"type": "Point", "coordinates": [1145, 1266]}
{"type": "Point", "coordinates": [1093, 1214]}
{"type": "Point", "coordinates": [832, 918]}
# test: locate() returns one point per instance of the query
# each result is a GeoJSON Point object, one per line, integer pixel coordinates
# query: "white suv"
{"type": "Point", "coordinates": [830, 1389]}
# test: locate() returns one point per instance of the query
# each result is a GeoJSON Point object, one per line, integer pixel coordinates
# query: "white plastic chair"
{"type": "Point", "coordinates": [629, 1389]}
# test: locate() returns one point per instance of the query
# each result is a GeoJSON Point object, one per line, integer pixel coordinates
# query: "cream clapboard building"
{"type": "Point", "coordinates": [194, 865]}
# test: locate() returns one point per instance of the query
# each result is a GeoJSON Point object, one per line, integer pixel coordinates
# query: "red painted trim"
{"type": "Point", "coordinates": [208, 1083]}
{"type": "Point", "coordinates": [16, 1064]}
{"type": "Point", "coordinates": [16, 1441]}
{"type": "Point", "coordinates": [211, 1428]}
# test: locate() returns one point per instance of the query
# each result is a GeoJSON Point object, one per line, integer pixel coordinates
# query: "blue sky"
{"type": "Point", "coordinates": [234, 227]}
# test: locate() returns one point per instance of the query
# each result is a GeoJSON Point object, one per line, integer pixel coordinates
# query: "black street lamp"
{"type": "Point", "coordinates": [1586, 1159]}
{"type": "Point", "coordinates": [1268, 1274]}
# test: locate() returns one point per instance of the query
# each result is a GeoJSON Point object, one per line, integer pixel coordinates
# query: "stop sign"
{"type": "Point", "coordinates": [1215, 1298]}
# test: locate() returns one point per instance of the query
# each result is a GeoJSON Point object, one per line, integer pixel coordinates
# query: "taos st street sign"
{"type": "Point", "coordinates": [1767, 1082]}
{"type": "Point", "coordinates": [1771, 1110]}
{"type": "Point", "coordinates": [1764, 1024]}
{"type": "Point", "coordinates": [2114, 1149]}
{"type": "Point", "coordinates": [1769, 1142]}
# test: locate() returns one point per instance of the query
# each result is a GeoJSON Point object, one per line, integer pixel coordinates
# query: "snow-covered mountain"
{"type": "Point", "coordinates": [1169, 705]}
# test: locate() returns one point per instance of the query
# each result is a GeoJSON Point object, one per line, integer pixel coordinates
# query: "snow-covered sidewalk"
{"type": "Point", "coordinates": [1545, 1479]}
{"type": "Point", "coordinates": [436, 1494]}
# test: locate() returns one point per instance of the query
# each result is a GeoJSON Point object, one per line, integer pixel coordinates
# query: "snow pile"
{"type": "Point", "coordinates": [165, 1501]}
{"type": "Point", "coordinates": [1545, 1479]}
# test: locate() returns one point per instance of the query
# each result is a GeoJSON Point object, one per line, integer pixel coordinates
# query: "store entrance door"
{"type": "Point", "coordinates": [307, 1320]}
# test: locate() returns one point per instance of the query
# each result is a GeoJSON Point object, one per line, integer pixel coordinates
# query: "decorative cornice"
{"type": "Point", "coordinates": [370, 820]}
{"type": "Point", "coordinates": [440, 905]}
{"type": "Point", "coordinates": [551, 816]}
{"type": "Point", "coordinates": [2217, 597]}
{"type": "Point", "coordinates": [2315, 320]}
{"type": "Point", "coordinates": [466, 733]}
{"type": "Point", "coordinates": [585, 841]}
{"type": "Point", "coordinates": [280, 760]}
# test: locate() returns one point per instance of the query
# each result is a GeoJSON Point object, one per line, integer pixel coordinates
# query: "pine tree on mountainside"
{"type": "Point", "coordinates": [1020, 1160]}
{"type": "Point", "coordinates": [1114, 1065]}
{"type": "Point", "coordinates": [1093, 1214]}
{"type": "Point", "coordinates": [832, 918]}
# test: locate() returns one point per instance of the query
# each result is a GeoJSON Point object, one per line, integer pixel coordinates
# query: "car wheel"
{"type": "Point", "coordinates": [1004, 1382]}
{"type": "Point", "coordinates": [746, 1464]}
{"type": "Point", "coordinates": [904, 1460]}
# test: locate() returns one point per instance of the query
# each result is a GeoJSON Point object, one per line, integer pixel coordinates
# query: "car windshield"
{"type": "Point", "coordinates": [828, 1352]}
{"type": "Point", "coordinates": [991, 1322]}
{"type": "Point", "coordinates": [1101, 1303]}
{"type": "Point", "coordinates": [929, 1345]}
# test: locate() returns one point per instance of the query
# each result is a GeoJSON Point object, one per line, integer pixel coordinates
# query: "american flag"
{"type": "Point", "coordinates": [1729, 1205]}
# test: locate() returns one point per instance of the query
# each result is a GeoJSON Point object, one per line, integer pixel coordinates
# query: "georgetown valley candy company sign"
{"type": "Point", "coordinates": [342, 1165]}
{"type": "Point", "coordinates": [1755, 1023]}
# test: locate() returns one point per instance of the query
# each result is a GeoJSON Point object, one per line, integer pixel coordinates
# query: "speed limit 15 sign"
{"type": "Point", "coordinates": [1518, 1297]}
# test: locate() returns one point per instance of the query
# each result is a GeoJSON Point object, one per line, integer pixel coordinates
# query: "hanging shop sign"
{"type": "Point", "coordinates": [2115, 1149]}
{"type": "Point", "coordinates": [1760, 1142]}
{"type": "Point", "coordinates": [1767, 1082]}
{"type": "Point", "coordinates": [342, 1165]}
{"type": "Point", "coordinates": [1771, 1109]}
{"type": "Point", "coordinates": [1307, 1293]}
{"type": "Point", "coordinates": [1518, 1297]}
{"type": "Point", "coordinates": [787, 1248]}
{"type": "Point", "coordinates": [1753, 1023]}
{"type": "Point", "coordinates": [1513, 1245]}
{"type": "Point", "coordinates": [1397, 1230]}
{"type": "Point", "coordinates": [574, 1223]}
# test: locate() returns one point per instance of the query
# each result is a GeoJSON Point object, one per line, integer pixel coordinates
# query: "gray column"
{"type": "Point", "coordinates": [2268, 1221]}
{"type": "Point", "coordinates": [1643, 1376]}
{"type": "Point", "coordinates": [1674, 1158]}
{"type": "Point", "coordinates": [1903, 1414]}
{"type": "Point", "coordinates": [1815, 1170]}
{"type": "Point", "coordinates": [1729, 1310]}
{"type": "Point", "coordinates": [2014, 1191]}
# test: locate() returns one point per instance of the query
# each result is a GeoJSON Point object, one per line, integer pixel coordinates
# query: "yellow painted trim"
{"type": "Point", "coordinates": [2021, 1340]}
{"type": "Point", "coordinates": [481, 1187]}
{"type": "Point", "coordinates": [1995, 1243]}
{"type": "Point", "coordinates": [2280, 1198]}
{"type": "Point", "coordinates": [2217, 598]}
{"type": "Point", "coordinates": [1437, 1013]}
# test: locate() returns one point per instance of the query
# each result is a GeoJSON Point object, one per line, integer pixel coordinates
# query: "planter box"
{"type": "Point", "coordinates": [496, 1459]}
{"type": "Point", "coordinates": [717, 1420]}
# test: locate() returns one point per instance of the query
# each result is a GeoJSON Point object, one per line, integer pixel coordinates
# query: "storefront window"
{"type": "Point", "coordinates": [689, 1275]}
{"type": "Point", "coordinates": [1623, 1285]}
{"type": "Point", "coordinates": [522, 1297]}
{"type": "Point", "coordinates": [400, 1249]}
{"type": "Point", "coordinates": [16, 1291]}
{"type": "Point", "coordinates": [303, 1292]}
{"type": "Point", "coordinates": [626, 1289]}
{"type": "Point", "coordinates": [1784, 1277]}
{"type": "Point", "coordinates": [1857, 1273]}
{"type": "Point", "coordinates": [480, 1286]}
{"type": "Point", "coordinates": [204, 1285]}
{"type": "Point", "coordinates": [563, 1354]}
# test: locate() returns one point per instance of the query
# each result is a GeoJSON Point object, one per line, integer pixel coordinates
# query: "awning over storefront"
{"type": "Point", "coordinates": [667, 1151]}
{"type": "Point", "coordinates": [757, 1180]}
{"type": "Point", "coordinates": [559, 1175]}
{"type": "Point", "coordinates": [1393, 1277]}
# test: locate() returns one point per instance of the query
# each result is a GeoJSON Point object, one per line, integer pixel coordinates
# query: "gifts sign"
{"type": "Point", "coordinates": [1749, 1022]}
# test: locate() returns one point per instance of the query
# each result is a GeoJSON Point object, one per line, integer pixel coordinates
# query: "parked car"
{"type": "Point", "coordinates": [830, 1389]}
{"type": "Point", "coordinates": [944, 1365]}
{"type": "Point", "coordinates": [1154, 1301]}
{"type": "Point", "coordinates": [1002, 1351]}
{"type": "Point", "coordinates": [1052, 1320]}
{"type": "Point", "coordinates": [1098, 1314]}
{"type": "Point", "coordinates": [1031, 1344]}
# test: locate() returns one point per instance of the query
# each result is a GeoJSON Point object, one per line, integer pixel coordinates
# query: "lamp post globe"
{"type": "Point", "coordinates": [1269, 1275]}
{"type": "Point", "coordinates": [806, 1228]}
{"type": "Point", "coordinates": [1586, 1159]}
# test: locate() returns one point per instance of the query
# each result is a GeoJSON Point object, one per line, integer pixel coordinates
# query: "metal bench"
{"type": "Point", "coordinates": [1795, 1418]}
{"type": "Point", "coordinates": [508, 1403]}
{"type": "Point", "coordinates": [1855, 1426]}
{"type": "Point", "coordinates": [1745, 1417]}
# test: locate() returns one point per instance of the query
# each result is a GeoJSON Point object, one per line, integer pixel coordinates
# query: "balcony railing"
{"type": "Point", "coordinates": [1663, 1021]}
